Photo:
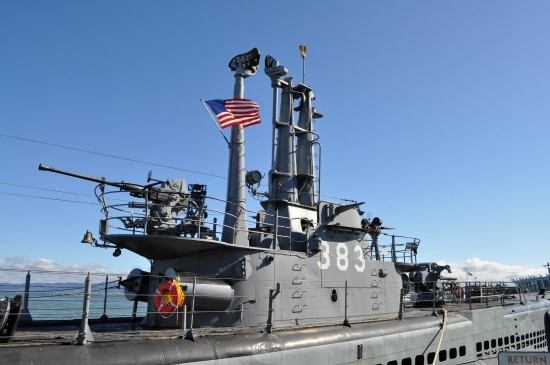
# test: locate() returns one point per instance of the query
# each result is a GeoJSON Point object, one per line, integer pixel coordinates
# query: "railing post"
{"type": "Point", "coordinates": [346, 322]}
{"type": "Point", "coordinates": [185, 317]}
{"type": "Point", "coordinates": [276, 227]}
{"type": "Point", "coordinates": [104, 315]}
{"type": "Point", "coordinates": [146, 198]}
{"type": "Point", "coordinates": [393, 253]}
{"type": "Point", "coordinates": [401, 304]}
{"type": "Point", "coordinates": [434, 313]}
{"type": "Point", "coordinates": [25, 314]}
{"type": "Point", "coordinates": [134, 310]}
{"type": "Point", "coordinates": [269, 326]}
{"type": "Point", "coordinates": [272, 295]}
{"type": "Point", "coordinates": [84, 334]}
{"type": "Point", "coordinates": [189, 335]}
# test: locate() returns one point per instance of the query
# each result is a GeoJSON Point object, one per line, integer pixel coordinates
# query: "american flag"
{"type": "Point", "coordinates": [235, 111]}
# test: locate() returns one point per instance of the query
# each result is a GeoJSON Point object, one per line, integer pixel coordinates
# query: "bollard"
{"type": "Point", "coordinates": [84, 334]}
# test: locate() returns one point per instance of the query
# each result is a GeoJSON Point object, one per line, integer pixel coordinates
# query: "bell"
{"type": "Point", "coordinates": [88, 238]}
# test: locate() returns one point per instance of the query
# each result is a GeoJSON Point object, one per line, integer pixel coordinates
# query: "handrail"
{"type": "Point", "coordinates": [407, 254]}
{"type": "Point", "coordinates": [474, 295]}
{"type": "Point", "coordinates": [202, 217]}
{"type": "Point", "coordinates": [133, 217]}
{"type": "Point", "coordinates": [65, 302]}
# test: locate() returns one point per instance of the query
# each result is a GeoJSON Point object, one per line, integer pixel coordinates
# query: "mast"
{"type": "Point", "coordinates": [283, 173]}
{"type": "Point", "coordinates": [235, 228]}
{"type": "Point", "coordinates": [305, 174]}
{"type": "Point", "coordinates": [292, 175]}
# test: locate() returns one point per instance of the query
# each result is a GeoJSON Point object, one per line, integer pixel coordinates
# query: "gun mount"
{"type": "Point", "coordinates": [166, 207]}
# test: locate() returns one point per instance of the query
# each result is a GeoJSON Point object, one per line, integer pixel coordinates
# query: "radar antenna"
{"type": "Point", "coordinates": [246, 63]}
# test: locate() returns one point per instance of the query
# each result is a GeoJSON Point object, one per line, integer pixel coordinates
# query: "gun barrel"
{"type": "Point", "coordinates": [102, 180]}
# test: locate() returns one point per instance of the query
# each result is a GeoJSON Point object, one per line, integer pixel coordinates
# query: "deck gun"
{"type": "Point", "coordinates": [163, 202]}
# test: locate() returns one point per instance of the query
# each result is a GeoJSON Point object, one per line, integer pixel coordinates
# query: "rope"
{"type": "Point", "coordinates": [444, 322]}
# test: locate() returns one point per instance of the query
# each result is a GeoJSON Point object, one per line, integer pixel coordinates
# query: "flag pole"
{"type": "Point", "coordinates": [214, 119]}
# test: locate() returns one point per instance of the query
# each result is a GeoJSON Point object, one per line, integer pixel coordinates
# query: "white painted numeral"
{"type": "Point", "coordinates": [361, 258]}
{"type": "Point", "coordinates": [342, 261]}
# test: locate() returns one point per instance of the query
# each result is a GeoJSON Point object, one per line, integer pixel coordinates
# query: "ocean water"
{"type": "Point", "coordinates": [51, 301]}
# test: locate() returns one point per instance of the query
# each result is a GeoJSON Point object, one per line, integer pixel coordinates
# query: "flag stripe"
{"type": "Point", "coordinates": [232, 112]}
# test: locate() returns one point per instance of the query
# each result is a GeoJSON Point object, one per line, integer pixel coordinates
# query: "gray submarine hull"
{"type": "Point", "coordinates": [379, 342]}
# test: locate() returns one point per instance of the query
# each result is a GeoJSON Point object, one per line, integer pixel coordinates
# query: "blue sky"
{"type": "Point", "coordinates": [435, 113]}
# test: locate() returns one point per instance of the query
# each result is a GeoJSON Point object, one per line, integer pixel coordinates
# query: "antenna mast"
{"type": "Point", "coordinates": [303, 52]}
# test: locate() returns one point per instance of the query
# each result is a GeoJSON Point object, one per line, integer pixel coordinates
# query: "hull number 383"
{"type": "Point", "coordinates": [341, 257]}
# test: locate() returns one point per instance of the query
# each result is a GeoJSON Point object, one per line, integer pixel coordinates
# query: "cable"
{"type": "Point", "coordinates": [53, 190]}
{"type": "Point", "coordinates": [110, 156]}
{"type": "Point", "coordinates": [125, 158]}
{"type": "Point", "coordinates": [45, 189]}
{"type": "Point", "coordinates": [43, 197]}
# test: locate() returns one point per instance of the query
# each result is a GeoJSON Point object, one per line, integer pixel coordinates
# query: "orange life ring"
{"type": "Point", "coordinates": [168, 297]}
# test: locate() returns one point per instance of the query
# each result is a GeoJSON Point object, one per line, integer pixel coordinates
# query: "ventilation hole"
{"type": "Point", "coordinates": [334, 296]}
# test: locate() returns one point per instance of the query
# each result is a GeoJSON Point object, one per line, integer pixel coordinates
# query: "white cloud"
{"type": "Point", "coordinates": [490, 270]}
{"type": "Point", "coordinates": [14, 270]}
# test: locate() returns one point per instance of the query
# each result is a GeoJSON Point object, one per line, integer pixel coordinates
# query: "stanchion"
{"type": "Point", "coordinates": [84, 334]}
{"type": "Point", "coordinates": [104, 315]}
{"type": "Point", "coordinates": [346, 322]}
{"type": "Point", "coordinates": [25, 314]}
{"type": "Point", "coordinates": [190, 335]}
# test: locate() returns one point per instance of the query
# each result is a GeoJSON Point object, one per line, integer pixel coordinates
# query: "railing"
{"type": "Point", "coordinates": [203, 220]}
{"type": "Point", "coordinates": [97, 299]}
{"type": "Point", "coordinates": [472, 295]}
{"type": "Point", "coordinates": [533, 283]}
{"type": "Point", "coordinates": [55, 295]}
{"type": "Point", "coordinates": [398, 249]}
